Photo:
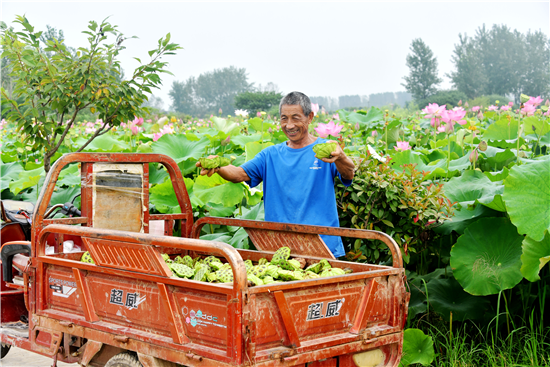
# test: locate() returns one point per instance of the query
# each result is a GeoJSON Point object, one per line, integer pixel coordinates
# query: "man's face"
{"type": "Point", "coordinates": [294, 123]}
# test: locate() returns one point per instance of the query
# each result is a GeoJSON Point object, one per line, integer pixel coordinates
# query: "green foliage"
{"type": "Point", "coordinates": [254, 102]}
{"type": "Point", "coordinates": [210, 92]}
{"type": "Point", "coordinates": [450, 98]}
{"type": "Point", "coordinates": [56, 89]}
{"type": "Point", "coordinates": [489, 100]}
{"type": "Point", "coordinates": [422, 79]}
{"type": "Point", "coordinates": [417, 348]}
{"type": "Point", "coordinates": [397, 203]}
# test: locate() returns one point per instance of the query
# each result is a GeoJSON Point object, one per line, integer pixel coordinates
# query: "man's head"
{"type": "Point", "coordinates": [296, 115]}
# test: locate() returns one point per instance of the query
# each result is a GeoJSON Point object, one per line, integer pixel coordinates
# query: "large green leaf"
{"type": "Point", "coordinates": [447, 296]}
{"type": "Point", "coordinates": [373, 115]}
{"type": "Point", "coordinates": [9, 172]}
{"type": "Point", "coordinates": [260, 125]}
{"type": "Point", "coordinates": [502, 130]}
{"type": "Point", "coordinates": [163, 197]}
{"type": "Point", "coordinates": [104, 143]}
{"type": "Point", "coordinates": [69, 176]}
{"type": "Point", "coordinates": [178, 147]}
{"type": "Point", "coordinates": [472, 187]}
{"type": "Point", "coordinates": [535, 256]}
{"type": "Point", "coordinates": [498, 161]}
{"type": "Point", "coordinates": [242, 140]}
{"type": "Point", "coordinates": [534, 125]}
{"type": "Point", "coordinates": [486, 259]}
{"type": "Point", "coordinates": [254, 148]}
{"type": "Point", "coordinates": [216, 190]}
{"type": "Point", "coordinates": [527, 197]}
{"type": "Point", "coordinates": [417, 348]}
{"type": "Point", "coordinates": [228, 127]}
{"type": "Point", "coordinates": [27, 179]}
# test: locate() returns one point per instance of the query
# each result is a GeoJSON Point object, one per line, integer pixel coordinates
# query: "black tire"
{"type": "Point", "coordinates": [5, 350]}
{"type": "Point", "coordinates": [124, 360]}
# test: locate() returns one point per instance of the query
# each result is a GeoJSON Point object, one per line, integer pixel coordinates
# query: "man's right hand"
{"type": "Point", "coordinates": [205, 171]}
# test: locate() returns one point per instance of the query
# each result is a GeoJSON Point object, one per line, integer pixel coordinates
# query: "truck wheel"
{"type": "Point", "coordinates": [5, 350]}
{"type": "Point", "coordinates": [124, 360]}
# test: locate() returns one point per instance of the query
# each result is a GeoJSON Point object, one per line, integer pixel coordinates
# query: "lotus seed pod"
{"type": "Point", "coordinates": [325, 265]}
{"type": "Point", "coordinates": [254, 279]}
{"type": "Point", "coordinates": [259, 270]}
{"type": "Point", "coordinates": [248, 264]}
{"type": "Point", "coordinates": [315, 268]}
{"type": "Point", "coordinates": [215, 265]}
{"type": "Point", "coordinates": [198, 265]}
{"type": "Point", "coordinates": [182, 271]}
{"type": "Point", "coordinates": [281, 254]}
{"type": "Point", "coordinates": [165, 257]}
{"type": "Point", "coordinates": [323, 150]}
{"type": "Point", "coordinates": [188, 260]}
{"type": "Point", "coordinates": [290, 275]}
{"type": "Point", "coordinates": [211, 277]}
{"type": "Point", "coordinates": [524, 98]}
{"type": "Point", "coordinates": [310, 275]}
{"type": "Point", "coordinates": [201, 273]}
{"type": "Point", "coordinates": [225, 275]}
{"type": "Point", "coordinates": [87, 258]}
{"type": "Point", "coordinates": [272, 271]}
{"type": "Point", "coordinates": [482, 146]}
{"type": "Point", "coordinates": [295, 264]}
{"type": "Point", "coordinates": [262, 261]}
{"type": "Point", "coordinates": [178, 259]}
{"type": "Point", "coordinates": [209, 259]}
{"type": "Point", "coordinates": [268, 280]}
{"type": "Point", "coordinates": [332, 272]}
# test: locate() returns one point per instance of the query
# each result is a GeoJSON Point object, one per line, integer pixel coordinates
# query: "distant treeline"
{"type": "Point", "coordinates": [372, 100]}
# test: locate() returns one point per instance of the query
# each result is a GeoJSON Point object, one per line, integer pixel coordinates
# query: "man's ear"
{"type": "Point", "coordinates": [310, 117]}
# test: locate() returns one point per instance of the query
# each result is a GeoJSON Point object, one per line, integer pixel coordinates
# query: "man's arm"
{"type": "Point", "coordinates": [229, 173]}
{"type": "Point", "coordinates": [343, 163]}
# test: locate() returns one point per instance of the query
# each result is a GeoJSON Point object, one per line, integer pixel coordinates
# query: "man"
{"type": "Point", "coordinates": [298, 187]}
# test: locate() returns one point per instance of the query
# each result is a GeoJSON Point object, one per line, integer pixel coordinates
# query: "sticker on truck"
{"type": "Point", "coordinates": [131, 301]}
{"type": "Point", "coordinates": [62, 288]}
{"type": "Point", "coordinates": [315, 311]}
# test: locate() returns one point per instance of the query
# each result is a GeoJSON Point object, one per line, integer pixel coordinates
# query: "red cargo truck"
{"type": "Point", "coordinates": [129, 310]}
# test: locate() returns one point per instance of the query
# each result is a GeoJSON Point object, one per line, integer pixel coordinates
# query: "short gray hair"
{"type": "Point", "coordinates": [296, 98]}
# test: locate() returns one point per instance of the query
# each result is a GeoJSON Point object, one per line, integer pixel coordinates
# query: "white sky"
{"type": "Point", "coordinates": [319, 48]}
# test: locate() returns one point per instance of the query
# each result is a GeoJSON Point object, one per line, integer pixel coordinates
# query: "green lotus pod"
{"type": "Point", "coordinates": [323, 150]}
{"type": "Point", "coordinates": [87, 258]}
{"type": "Point", "coordinates": [212, 277]}
{"type": "Point", "coordinates": [225, 275]}
{"type": "Point", "coordinates": [272, 271]}
{"type": "Point", "coordinates": [324, 265]}
{"type": "Point", "coordinates": [268, 280]}
{"type": "Point", "coordinates": [216, 265]}
{"type": "Point", "coordinates": [165, 257]}
{"type": "Point", "coordinates": [524, 98]}
{"type": "Point", "coordinates": [544, 108]}
{"type": "Point", "coordinates": [178, 259]}
{"type": "Point", "coordinates": [209, 163]}
{"type": "Point", "coordinates": [258, 270]}
{"type": "Point", "coordinates": [295, 264]}
{"type": "Point", "coordinates": [310, 275]}
{"type": "Point", "coordinates": [262, 261]}
{"type": "Point", "coordinates": [201, 273]}
{"type": "Point", "coordinates": [198, 265]}
{"type": "Point", "coordinates": [254, 279]}
{"type": "Point", "coordinates": [188, 260]}
{"type": "Point", "coordinates": [196, 260]}
{"type": "Point", "coordinates": [315, 268]}
{"type": "Point", "coordinates": [281, 254]}
{"type": "Point", "coordinates": [332, 272]}
{"type": "Point", "coordinates": [290, 275]}
{"type": "Point", "coordinates": [248, 264]}
{"type": "Point", "coordinates": [182, 271]}
{"type": "Point", "coordinates": [209, 259]}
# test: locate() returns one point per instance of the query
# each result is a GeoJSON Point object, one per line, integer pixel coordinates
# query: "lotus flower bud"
{"type": "Point", "coordinates": [480, 115]}
{"type": "Point", "coordinates": [270, 130]}
{"type": "Point", "coordinates": [357, 126]}
{"type": "Point", "coordinates": [524, 98]}
{"type": "Point", "coordinates": [473, 156]}
{"type": "Point", "coordinates": [547, 104]}
{"type": "Point", "coordinates": [460, 103]}
{"type": "Point", "coordinates": [374, 133]}
{"type": "Point", "coordinates": [482, 146]}
{"type": "Point", "coordinates": [226, 140]}
{"type": "Point", "coordinates": [466, 105]}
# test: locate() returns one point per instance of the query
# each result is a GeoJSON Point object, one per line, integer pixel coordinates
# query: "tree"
{"type": "Point", "coordinates": [500, 61]}
{"type": "Point", "coordinates": [254, 102]}
{"type": "Point", "coordinates": [210, 92]}
{"type": "Point", "coordinates": [56, 89]}
{"type": "Point", "coordinates": [422, 79]}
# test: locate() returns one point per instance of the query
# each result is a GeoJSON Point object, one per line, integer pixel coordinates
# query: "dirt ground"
{"type": "Point", "coordinates": [21, 358]}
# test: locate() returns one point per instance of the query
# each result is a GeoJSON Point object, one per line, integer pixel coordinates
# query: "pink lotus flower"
{"type": "Point", "coordinates": [149, 121]}
{"type": "Point", "coordinates": [157, 136]}
{"type": "Point", "coordinates": [315, 108]}
{"type": "Point", "coordinates": [535, 101]}
{"type": "Point", "coordinates": [331, 128]}
{"type": "Point", "coordinates": [528, 109]}
{"type": "Point", "coordinates": [135, 130]}
{"type": "Point", "coordinates": [258, 114]}
{"type": "Point", "coordinates": [90, 130]}
{"type": "Point", "coordinates": [455, 115]}
{"type": "Point", "coordinates": [138, 121]}
{"type": "Point", "coordinates": [336, 117]}
{"type": "Point", "coordinates": [475, 108]}
{"type": "Point", "coordinates": [505, 108]}
{"type": "Point", "coordinates": [374, 133]}
{"type": "Point", "coordinates": [402, 145]}
{"type": "Point", "coordinates": [433, 110]}
{"type": "Point", "coordinates": [493, 108]}
{"type": "Point", "coordinates": [510, 103]}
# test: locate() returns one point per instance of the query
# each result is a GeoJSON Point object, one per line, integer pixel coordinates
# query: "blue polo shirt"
{"type": "Point", "coordinates": [298, 188]}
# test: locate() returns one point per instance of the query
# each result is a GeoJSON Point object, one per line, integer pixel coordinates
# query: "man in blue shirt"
{"type": "Point", "coordinates": [298, 187]}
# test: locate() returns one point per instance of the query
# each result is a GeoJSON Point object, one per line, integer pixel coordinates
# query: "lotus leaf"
{"type": "Point", "coordinates": [535, 256]}
{"type": "Point", "coordinates": [486, 258]}
{"type": "Point", "coordinates": [417, 348]}
{"type": "Point", "coordinates": [324, 150]}
{"type": "Point", "coordinates": [447, 296]}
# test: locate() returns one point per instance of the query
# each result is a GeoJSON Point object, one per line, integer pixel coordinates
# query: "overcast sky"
{"type": "Point", "coordinates": [321, 49]}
